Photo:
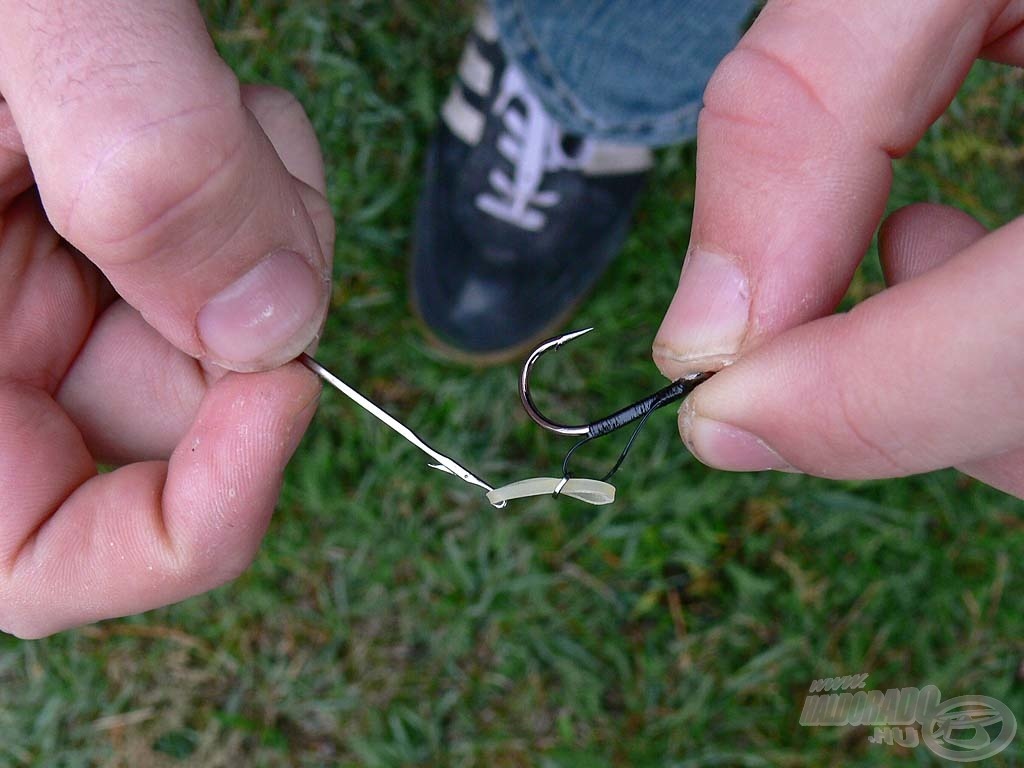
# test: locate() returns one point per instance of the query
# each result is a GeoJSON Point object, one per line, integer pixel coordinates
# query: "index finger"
{"type": "Point", "coordinates": [148, 161]}
{"type": "Point", "coordinates": [795, 144]}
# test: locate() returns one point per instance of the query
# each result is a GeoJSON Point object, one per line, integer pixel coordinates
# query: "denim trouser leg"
{"type": "Point", "coordinates": [632, 71]}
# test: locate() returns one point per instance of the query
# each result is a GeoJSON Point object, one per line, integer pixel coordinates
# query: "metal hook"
{"type": "Point", "coordinates": [639, 410]}
{"type": "Point", "coordinates": [670, 394]}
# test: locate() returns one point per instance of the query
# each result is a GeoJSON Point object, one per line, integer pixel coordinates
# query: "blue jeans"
{"type": "Point", "coordinates": [630, 71]}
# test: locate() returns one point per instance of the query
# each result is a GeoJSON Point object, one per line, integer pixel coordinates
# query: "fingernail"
{"type": "Point", "coordinates": [727, 447]}
{"type": "Point", "coordinates": [707, 318]}
{"type": "Point", "coordinates": [267, 317]}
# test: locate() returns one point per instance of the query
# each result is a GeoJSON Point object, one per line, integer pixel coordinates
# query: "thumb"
{"type": "Point", "coordinates": [922, 376]}
{"type": "Point", "coordinates": [149, 163]}
{"type": "Point", "coordinates": [914, 240]}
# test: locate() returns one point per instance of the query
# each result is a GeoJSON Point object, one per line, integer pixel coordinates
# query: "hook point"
{"type": "Point", "coordinates": [565, 338]}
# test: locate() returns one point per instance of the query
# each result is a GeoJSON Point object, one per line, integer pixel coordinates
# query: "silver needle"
{"type": "Point", "coordinates": [444, 463]}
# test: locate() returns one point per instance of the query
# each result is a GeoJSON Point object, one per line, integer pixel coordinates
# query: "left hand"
{"type": "Point", "coordinates": [84, 378]}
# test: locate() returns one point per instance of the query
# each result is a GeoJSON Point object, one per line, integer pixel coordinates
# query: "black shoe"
{"type": "Point", "coordinates": [517, 219]}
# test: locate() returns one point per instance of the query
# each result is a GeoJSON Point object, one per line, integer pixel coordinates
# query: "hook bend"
{"type": "Point", "coordinates": [675, 391]}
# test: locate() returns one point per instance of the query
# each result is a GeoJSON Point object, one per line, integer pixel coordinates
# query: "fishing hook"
{"type": "Point", "coordinates": [640, 410]}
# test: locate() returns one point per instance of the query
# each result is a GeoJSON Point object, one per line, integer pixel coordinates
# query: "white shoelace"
{"type": "Point", "coordinates": [532, 143]}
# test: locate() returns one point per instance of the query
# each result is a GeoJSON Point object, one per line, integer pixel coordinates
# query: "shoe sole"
{"type": "Point", "coordinates": [499, 357]}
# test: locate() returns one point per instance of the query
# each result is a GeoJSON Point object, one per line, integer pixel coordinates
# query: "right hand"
{"type": "Point", "coordinates": [795, 149]}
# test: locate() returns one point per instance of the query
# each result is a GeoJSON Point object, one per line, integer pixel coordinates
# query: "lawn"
{"type": "Point", "coordinates": [392, 618]}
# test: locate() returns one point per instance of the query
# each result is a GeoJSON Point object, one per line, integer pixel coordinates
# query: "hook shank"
{"type": "Point", "coordinates": [677, 390]}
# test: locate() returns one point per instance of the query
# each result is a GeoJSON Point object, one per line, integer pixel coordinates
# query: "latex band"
{"type": "Point", "coordinates": [591, 491]}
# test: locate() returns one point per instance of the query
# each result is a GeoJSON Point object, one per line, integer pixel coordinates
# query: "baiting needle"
{"type": "Point", "coordinates": [444, 463]}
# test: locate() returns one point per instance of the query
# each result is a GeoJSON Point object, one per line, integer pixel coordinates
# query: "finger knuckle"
{"type": "Point", "coordinates": [869, 450]}
{"type": "Point", "coordinates": [201, 568]}
{"type": "Point", "coordinates": [151, 180]}
{"type": "Point", "coordinates": [861, 416]}
{"type": "Point", "coordinates": [769, 105]}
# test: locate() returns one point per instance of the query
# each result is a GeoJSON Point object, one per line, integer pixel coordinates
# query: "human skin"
{"type": "Point", "coordinates": [161, 229]}
{"type": "Point", "coordinates": [794, 164]}
{"type": "Point", "coordinates": [122, 131]}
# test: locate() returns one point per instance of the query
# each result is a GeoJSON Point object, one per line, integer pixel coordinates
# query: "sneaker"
{"type": "Point", "coordinates": [518, 219]}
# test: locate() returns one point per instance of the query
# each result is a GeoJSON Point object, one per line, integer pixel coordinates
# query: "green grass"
{"type": "Point", "coordinates": [392, 619]}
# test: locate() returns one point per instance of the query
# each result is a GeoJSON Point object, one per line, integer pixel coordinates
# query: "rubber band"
{"type": "Point", "coordinates": [594, 492]}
